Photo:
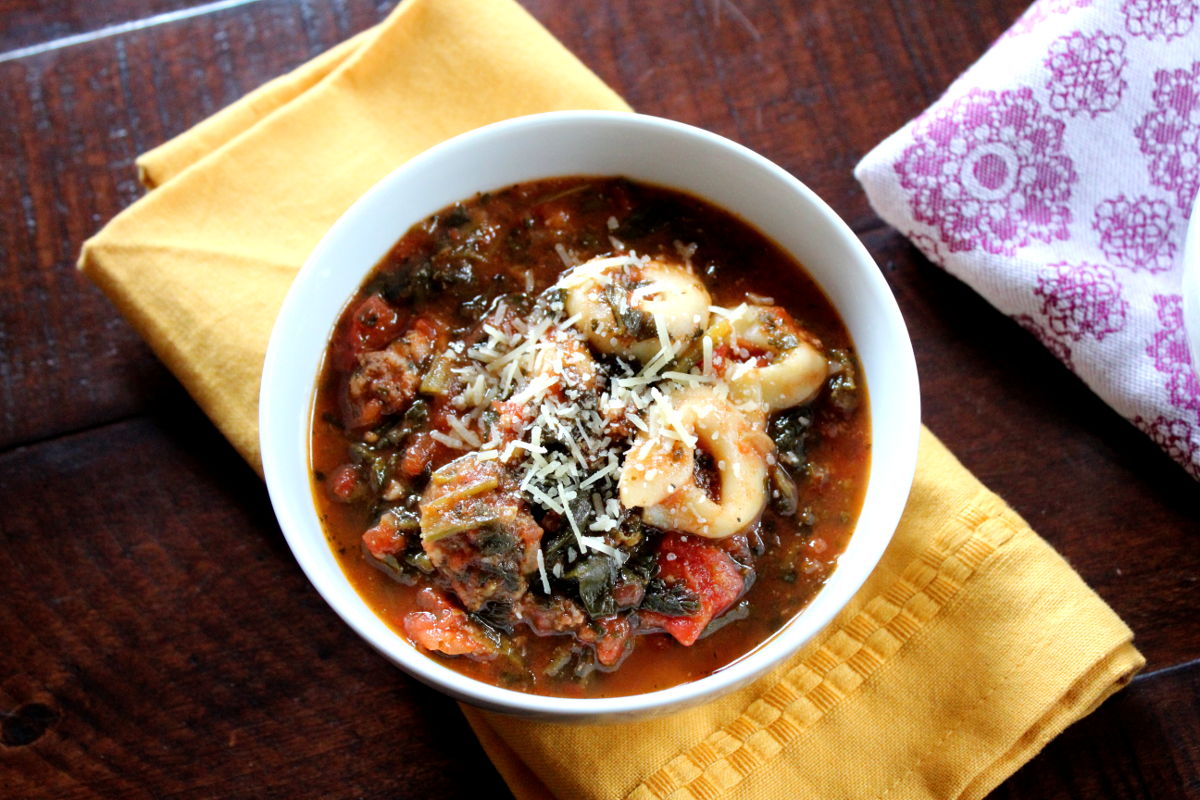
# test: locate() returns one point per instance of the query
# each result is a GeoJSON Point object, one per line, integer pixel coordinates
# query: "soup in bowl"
{"type": "Point", "coordinates": [588, 415]}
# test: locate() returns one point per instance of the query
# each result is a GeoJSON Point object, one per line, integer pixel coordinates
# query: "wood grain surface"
{"type": "Point", "coordinates": [156, 637]}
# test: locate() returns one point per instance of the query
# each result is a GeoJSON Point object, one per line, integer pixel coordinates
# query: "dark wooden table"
{"type": "Point", "coordinates": [156, 636]}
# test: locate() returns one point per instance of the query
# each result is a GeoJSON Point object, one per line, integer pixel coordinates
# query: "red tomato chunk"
{"type": "Point", "coordinates": [705, 569]}
{"type": "Point", "coordinates": [385, 539]}
{"type": "Point", "coordinates": [442, 627]}
{"type": "Point", "coordinates": [345, 484]}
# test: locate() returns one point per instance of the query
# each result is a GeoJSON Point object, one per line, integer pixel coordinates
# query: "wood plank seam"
{"type": "Point", "coordinates": [122, 28]}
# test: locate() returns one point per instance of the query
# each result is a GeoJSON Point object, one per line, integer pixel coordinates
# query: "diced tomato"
{"type": "Point", "coordinates": [431, 335]}
{"type": "Point", "coordinates": [385, 539]}
{"type": "Point", "coordinates": [443, 627]}
{"type": "Point", "coordinates": [511, 420]}
{"type": "Point", "coordinates": [417, 454]}
{"type": "Point", "coordinates": [708, 571]}
{"type": "Point", "coordinates": [554, 214]}
{"type": "Point", "coordinates": [345, 484]}
{"type": "Point", "coordinates": [373, 325]}
{"type": "Point", "coordinates": [721, 357]}
{"type": "Point", "coordinates": [611, 642]}
{"type": "Point", "coordinates": [724, 357]}
{"type": "Point", "coordinates": [423, 451]}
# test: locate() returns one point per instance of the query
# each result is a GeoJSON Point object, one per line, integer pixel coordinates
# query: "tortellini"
{"type": "Point", "coordinates": [660, 472]}
{"type": "Point", "coordinates": [620, 302]}
{"type": "Point", "coordinates": [770, 359]}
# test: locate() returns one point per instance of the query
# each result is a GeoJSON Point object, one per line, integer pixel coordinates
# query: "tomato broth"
{"type": "Point", "coordinates": [552, 585]}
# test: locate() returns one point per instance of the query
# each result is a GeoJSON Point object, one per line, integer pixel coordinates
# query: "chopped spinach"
{"type": "Point", "coordinates": [517, 242]}
{"type": "Point", "coordinates": [556, 544]}
{"type": "Point", "coordinates": [790, 431]}
{"type": "Point", "coordinates": [414, 418]}
{"type": "Point", "coordinates": [635, 323]}
{"type": "Point", "coordinates": [628, 590]}
{"type": "Point", "coordinates": [595, 577]}
{"type": "Point", "coordinates": [843, 386]}
{"type": "Point", "coordinates": [379, 468]}
{"type": "Point", "coordinates": [360, 453]}
{"type": "Point", "coordinates": [405, 520]}
{"type": "Point", "coordinates": [454, 268]}
{"type": "Point", "coordinates": [497, 615]}
{"type": "Point", "coordinates": [392, 567]}
{"type": "Point", "coordinates": [494, 540]}
{"type": "Point", "coordinates": [420, 560]}
{"type": "Point", "coordinates": [642, 563]}
{"type": "Point", "coordinates": [410, 281]}
{"type": "Point", "coordinates": [670, 599]}
{"type": "Point", "coordinates": [785, 497]}
{"type": "Point", "coordinates": [554, 297]}
{"type": "Point", "coordinates": [585, 664]}
{"type": "Point", "coordinates": [582, 512]}
{"type": "Point", "coordinates": [419, 279]}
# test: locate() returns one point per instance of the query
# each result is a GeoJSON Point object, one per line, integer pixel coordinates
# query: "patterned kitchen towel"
{"type": "Point", "coordinates": [1056, 177]}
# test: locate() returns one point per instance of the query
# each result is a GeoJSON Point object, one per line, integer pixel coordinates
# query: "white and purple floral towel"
{"type": "Point", "coordinates": [1056, 177]}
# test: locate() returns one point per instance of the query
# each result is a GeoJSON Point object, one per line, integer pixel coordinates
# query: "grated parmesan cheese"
{"type": "Point", "coordinates": [449, 441]}
{"type": "Point", "coordinates": [567, 259]}
{"type": "Point", "coordinates": [557, 435]}
{"type": "Point", "coordinates": [464, 433]}
{"type": "Point", "coordinates": [541, 562]}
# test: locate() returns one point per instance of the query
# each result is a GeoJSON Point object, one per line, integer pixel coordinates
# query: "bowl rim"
{"type": "Point", "coordinates": [275, 430]}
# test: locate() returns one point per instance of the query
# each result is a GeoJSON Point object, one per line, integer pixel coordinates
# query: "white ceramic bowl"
{"type": "Point", "coordinates": [589, 143]}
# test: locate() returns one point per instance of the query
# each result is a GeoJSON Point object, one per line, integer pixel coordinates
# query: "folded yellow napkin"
{"type": "Point", "coordinates": [969, 648]}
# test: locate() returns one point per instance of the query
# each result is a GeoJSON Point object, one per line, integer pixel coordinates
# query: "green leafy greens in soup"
{"type": "Point", "coordinates": [588, 437]}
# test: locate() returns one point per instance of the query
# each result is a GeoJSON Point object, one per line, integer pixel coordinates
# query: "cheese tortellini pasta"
{"type": "Point", "coordinates": [626, 306]}
{"type": "Point", "coordinates": [661, 473]}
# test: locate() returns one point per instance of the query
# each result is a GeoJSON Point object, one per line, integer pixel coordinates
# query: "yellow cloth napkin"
{"type": "Point", "coordinates": [200, 266]}
{"type": "Point", "coordinates": [970, 647]}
